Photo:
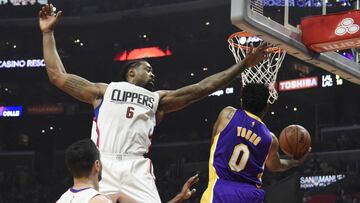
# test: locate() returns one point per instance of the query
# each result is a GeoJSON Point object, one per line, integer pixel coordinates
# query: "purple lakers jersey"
{"type": "Point", "coordinates": [237, 159]}
{"type": "Point", "coordinates": [241, 149]}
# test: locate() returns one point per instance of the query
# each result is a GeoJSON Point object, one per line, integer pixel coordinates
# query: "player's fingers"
{"type": "Point", "coordinates": [194, 179]}
{"type": "Point", "coordinates": [40, 14]}
{"type": "Point", "coordinates": [47, 9]}
{"type": "Point", "coordinates": [59, 14]}
{"type": "Point", "coordinates": [43, 9]}
{"type": "Point", "coordinates": [191, 193]}
{"type": "Point", "coordinates": [51, 7]}
{"type": "Point", "coordinates": [263, 47]}
{"type": "Point", "coordinates": [296, 162]}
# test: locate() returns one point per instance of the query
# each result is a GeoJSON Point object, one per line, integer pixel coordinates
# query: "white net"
{"type": "Point", "coordinates": [266, 71]}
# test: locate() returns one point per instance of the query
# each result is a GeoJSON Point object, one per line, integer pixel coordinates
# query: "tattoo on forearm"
{"type": "Point", "coordinates": [75, 85]}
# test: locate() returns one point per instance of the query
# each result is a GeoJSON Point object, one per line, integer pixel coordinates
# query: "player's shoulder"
{"type": "Point", "coordinates": [227, 112]}
{"type": "Point", "coordinates": [100, 199]}
{"type": "Point", "coordinates": [162, 93]}
{"type": "Point", "coordinates": [273, 137]}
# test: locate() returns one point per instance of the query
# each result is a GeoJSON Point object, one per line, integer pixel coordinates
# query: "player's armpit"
{"type": "Point", "coordinates": [80, 88]}
{"type": "Point", "coordinates": [173, 100]}
{"type": "Point", "coordinates": [120, 197]}
{"type": "Point", "coordinates": [100, 199]}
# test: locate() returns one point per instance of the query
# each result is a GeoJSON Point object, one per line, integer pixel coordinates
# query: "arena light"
{"type": "Point", "coordinates": [10, 111]}
{"type": "Point", "coordinates": [148, 52]}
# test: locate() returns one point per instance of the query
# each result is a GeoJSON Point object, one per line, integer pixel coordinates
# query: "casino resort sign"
{"type": "Point", "coordinates": [22, 63]}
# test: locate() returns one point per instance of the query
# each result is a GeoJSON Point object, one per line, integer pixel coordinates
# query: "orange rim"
{"type": "Point", "coordinates": [247, 34]}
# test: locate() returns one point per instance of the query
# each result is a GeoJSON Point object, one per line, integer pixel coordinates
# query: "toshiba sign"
{"type": "Point", "coordinates": [296, 84]}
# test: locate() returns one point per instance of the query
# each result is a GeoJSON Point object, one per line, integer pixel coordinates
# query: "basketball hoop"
{"type": "Point", "coordinates": [265, 72]}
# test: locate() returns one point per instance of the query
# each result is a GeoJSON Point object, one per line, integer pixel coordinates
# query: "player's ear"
{"type": "Point", "coordinates": [131, 72]}
{"type": "Point", "coordinates": [97, 165]}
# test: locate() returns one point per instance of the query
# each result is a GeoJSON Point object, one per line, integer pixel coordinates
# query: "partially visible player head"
{"type": "Point", "coordinates": [82, 158]}
{"type": "Point", "coordinates": [254, 98]}
{"type": "Point", "coordinates": [138, 72]}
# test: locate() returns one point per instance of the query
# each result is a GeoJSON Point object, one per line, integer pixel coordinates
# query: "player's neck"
{"type": "Point", "coordinates": [137, 83]}
{"type": "Point", "coordinates": [80, 183]}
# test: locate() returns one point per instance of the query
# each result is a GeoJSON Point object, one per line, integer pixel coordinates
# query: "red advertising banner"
{"type": "Point", "coordinates": [45, 109]}
{"type": "Point", "coordinates": [296, 84]}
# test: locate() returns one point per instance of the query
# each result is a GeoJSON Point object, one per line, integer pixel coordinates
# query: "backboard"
{"type": "Point", "coordinates": [275, 21]}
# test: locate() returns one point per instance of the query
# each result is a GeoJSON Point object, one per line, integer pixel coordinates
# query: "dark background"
{"type": "Point", "coordinates": [32, 147]}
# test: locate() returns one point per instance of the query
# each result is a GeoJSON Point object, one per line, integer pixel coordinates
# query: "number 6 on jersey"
{"type": "Point", "coordinates": [130, 112]}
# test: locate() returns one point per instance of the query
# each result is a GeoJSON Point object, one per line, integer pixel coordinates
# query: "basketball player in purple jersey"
{"type": "Point", "coordinates": [241, 146]}
{"type": "Point", "coordinates": [126, 112]}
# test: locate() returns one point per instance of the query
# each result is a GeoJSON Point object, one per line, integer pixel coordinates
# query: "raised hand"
{"type": "Point", "coordinates": [48, 18]}
{"type": "Point", "coordinates": [256, 55]}
{"type": "Point", "coordinates": [186, 191]}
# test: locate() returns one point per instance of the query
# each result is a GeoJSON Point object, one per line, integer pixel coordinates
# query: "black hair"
{"type": "Point", "coordinates": [127, 66]}
{"type": "Point", "coordinates": [255, 97]}
{"type": "Point", "coordinates": [80, 157]}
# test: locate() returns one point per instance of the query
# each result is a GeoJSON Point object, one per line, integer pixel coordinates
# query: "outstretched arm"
{"type": "Point", "coordinates": [186, 191]}
{"type": "Point", "coordinates": [180, 98]}
{"type": "Point", "coordinates": [74, 85]}
{"type": "Point", "coordinates": [274, 163]}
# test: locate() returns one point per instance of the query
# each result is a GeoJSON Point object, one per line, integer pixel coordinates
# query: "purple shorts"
{"type": "Point", "coordinates": [237, 192]}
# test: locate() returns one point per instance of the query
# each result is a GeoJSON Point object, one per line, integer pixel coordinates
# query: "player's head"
{"type": "Point", "coordinates": [254, 98]}
{"type": "Point", "coordinates": [138, 72]}
{"type": "Point", "coordinates": [83, 159]}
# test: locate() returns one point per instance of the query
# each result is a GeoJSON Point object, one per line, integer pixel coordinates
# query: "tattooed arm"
{"type": "Point", "coordinates": [223, 120]}
{"type": "Point", "coordinates": [75, 86]}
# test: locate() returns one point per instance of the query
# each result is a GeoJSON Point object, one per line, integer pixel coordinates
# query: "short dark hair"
{"type": "Point", "coordinates": [127, 66]}
{"type": "Point", "coordinates": [255, 97]}
{"type": "Point", "coordinates": [80, 157]}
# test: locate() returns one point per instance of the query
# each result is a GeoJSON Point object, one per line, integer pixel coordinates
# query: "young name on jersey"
{"type": "Point", "coordinates": [248, 135]}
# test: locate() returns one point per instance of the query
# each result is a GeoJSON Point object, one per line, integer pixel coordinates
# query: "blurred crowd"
{"type": "Point", "coordinates": [80, 7]}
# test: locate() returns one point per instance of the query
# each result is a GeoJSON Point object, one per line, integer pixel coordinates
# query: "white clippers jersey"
{"type": "Point", "coordinates": [125, 119]}
{"type": "Point", "coordinates": [78, 196]}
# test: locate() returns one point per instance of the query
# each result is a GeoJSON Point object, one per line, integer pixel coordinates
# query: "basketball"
{"type": "Point", "coordinates": [295, 141]}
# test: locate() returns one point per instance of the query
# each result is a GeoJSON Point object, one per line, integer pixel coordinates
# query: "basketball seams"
{"type": "Point", "coordinates": [297, 141]}
{"type": "Point", "coordinates": [287, 142]}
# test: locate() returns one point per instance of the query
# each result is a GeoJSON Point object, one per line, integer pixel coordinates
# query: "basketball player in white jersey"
{"type": "Point", "coordinates": [83, 161]}
{"type": "Point", "coordinates": [127, 112]}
